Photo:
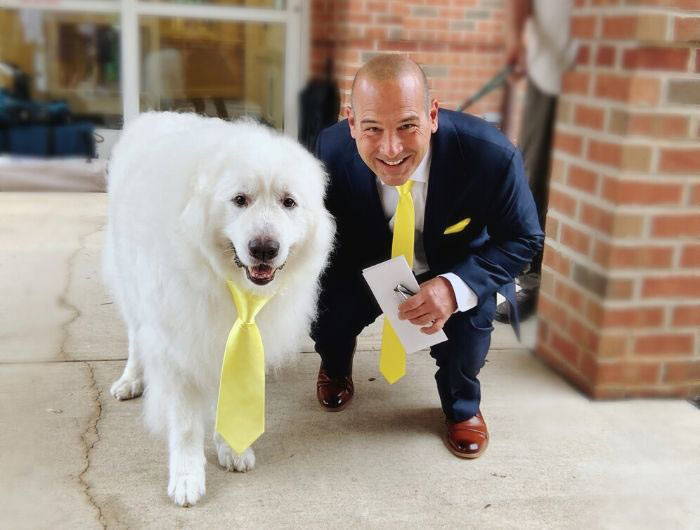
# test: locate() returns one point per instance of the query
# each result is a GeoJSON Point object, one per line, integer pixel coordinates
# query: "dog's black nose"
{"type": "Point", "coordinates": [263, 249]}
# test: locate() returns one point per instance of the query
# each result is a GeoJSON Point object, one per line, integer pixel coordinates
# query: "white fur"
{"type": "Point", "coordinates": [167, 256]}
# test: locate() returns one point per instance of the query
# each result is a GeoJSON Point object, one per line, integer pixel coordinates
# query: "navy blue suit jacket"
{"type": "Point", "coordinates": [475, 173]}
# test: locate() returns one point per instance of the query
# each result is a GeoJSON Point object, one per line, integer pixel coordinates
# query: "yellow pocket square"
{"type": "Point", "coordinates": [457, 227]}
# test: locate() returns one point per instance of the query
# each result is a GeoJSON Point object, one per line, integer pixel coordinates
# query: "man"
{"type": "Point", "coordinates": [545, 54]}
{"type": "Point", "coordinates": [475, 229]}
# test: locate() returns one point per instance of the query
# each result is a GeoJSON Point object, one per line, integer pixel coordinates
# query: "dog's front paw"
{"type": "Point", "coordinates": [231, 460]}
{"type": "Point", "coordinates": [127, 387]}
{"type": "Point", "coordinates": [185, 489]}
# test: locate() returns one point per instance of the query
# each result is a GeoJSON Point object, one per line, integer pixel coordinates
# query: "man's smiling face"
{"type": "Point", "coordinates": [391, 125]}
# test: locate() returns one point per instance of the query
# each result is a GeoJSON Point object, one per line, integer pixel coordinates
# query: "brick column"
{"type": "Point", "coordinates": [620, 302]}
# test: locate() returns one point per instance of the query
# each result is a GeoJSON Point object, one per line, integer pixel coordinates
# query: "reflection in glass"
{"type": "Point", "coordinates": [268, 4]}
{"type": "Point", "coordinates": [225, 69]}
{"type": "Point", "coordinates": [68, 56]}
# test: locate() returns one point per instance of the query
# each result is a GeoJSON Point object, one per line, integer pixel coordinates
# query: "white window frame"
{"type": "Point", "coordinates": [295, 18]}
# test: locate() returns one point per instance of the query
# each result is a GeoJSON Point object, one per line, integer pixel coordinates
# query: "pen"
{"type": "Point", "coordinates": [403, 291]}
{"type": "Point", "coordinates": [406, 293]}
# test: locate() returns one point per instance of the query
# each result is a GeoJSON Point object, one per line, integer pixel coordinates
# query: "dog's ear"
{"type": "Point", "coordinates": [195, 215]}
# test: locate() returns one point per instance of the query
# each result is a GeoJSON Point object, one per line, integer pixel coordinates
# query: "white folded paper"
{"type": "Point", "coordinates": [382, 279]}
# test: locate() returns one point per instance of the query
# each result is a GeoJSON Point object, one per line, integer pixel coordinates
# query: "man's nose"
{"type": "Point", "coordinates": [391, 144]}
{"type": "Point", "coordinates": [263, 249]}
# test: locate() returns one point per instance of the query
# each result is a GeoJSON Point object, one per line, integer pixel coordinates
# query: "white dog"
{"type": "Point", "coordinates": [193, 202]}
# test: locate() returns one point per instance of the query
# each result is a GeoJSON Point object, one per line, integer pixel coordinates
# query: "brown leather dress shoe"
{"type": "Point", "coordinates": [334, 393]}
{"type": "Point", "coordinates": [468, 438]}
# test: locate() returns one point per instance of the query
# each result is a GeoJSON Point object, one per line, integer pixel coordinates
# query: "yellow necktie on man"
{"type": "Point", "coordinates": [392, 359]}
{"type": "Point", "coordinates": [240, 411]}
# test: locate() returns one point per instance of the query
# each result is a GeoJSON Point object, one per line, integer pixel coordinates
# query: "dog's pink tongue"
{"type": "Point", "coordinates": [262, 272]}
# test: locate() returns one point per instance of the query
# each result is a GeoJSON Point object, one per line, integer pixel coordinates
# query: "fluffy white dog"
{"type": "Point", "coordinates": [193, 202]}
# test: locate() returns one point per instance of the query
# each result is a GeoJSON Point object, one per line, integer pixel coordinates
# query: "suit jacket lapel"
{"type": "Point", "coordinates": [445, 186]}
{"type": "Point", "coordinates": [364, 184]}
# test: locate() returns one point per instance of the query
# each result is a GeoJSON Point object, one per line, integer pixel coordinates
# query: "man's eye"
{"type": "Point", "coordinates": [371, 129]}
{"type": "Point", "coordinates": [407, 126]}
{"type": "Point", "coordinates": [288, 202]}
{"type": "Point", "coordinates": [240, 200]}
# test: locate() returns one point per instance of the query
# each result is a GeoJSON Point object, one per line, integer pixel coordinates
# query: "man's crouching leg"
{"type": "Point", "coordinates": [341, 319]}
{"type": "Point", "coordinates": [459, 361]}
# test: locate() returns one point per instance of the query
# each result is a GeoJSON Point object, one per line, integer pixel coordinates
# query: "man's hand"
{"type": "Point", "coordinates": [517, 12]}
{"type": "Point", "coordinates": [515, 57]}
{"type": "Point", "coordinates": [432, 305]}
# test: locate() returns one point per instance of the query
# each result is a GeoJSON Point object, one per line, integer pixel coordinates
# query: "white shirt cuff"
{"type": "Point", "coordinates": [466, 299]}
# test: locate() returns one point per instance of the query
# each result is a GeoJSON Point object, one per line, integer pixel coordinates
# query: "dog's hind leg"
{"type": "Point", "coordinates": [186, 442]}
{"type": "Point", "coordinates": [231, 460]}
{"type": "Point", "coordinates": [130, 384]}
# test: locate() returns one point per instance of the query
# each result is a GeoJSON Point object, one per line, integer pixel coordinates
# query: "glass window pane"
{"type": "Point", "coordinates": [67, 56]}
{"type": "Point", "coordinates": [268, 4]}
{"type": "Point", "coordinates": [225, 69]}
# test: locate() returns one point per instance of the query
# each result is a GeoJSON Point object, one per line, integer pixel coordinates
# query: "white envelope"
{"type": "Point", "coordinates": [382, 278]}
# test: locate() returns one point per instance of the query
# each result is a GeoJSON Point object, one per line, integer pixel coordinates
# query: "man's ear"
{"type": "Point", "coordinates": [351, 120]}
{"type": "Point", "coordinates": [433, 114]}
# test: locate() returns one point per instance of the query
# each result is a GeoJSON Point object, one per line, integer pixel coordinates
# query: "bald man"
{"type": "Point", "coordinates": [466, 176]}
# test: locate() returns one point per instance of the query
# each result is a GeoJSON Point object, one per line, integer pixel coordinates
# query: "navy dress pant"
{"type": "Point", "coordinates": [345, 312]}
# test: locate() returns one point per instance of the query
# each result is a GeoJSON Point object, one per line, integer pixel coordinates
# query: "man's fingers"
{"type": "Point", "coordinates": [414, 313]}
{"type": "Point", "coordinates": [412, 303]}
{"type": "Point", "coordinates": [414, 307]}
{"type": "Point", "coordinates": [422, 320]}
{"type": "Point", "coordinates": [420, 312]}
{"type": "Point", "coordinates": [437, 326]}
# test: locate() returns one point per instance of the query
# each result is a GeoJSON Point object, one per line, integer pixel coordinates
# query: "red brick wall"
{"type": "Point", "coordinates": [458, 42]}
{"type": "Point", "coordinates": [620, 301]}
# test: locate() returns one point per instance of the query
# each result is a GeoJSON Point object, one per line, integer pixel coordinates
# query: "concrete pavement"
{"type": "Point", "coordinates": [73, 457]}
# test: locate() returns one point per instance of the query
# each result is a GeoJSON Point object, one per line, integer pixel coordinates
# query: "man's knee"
{"type": "Point", "coordinates": [338, 325]}
{"type": "Point", "coordinates": [468, 339]}
{"type": "Point", "coordinates": [343, 315]}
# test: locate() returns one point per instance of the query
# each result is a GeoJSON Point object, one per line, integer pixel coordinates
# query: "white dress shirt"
{"type": "Point", "coordinates": [466, 299]}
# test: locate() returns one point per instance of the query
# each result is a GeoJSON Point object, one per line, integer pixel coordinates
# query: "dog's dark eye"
{"type": "Point", "coordinates": [240, 200]}
{"type": "Point", "coordinates": [289, 202]}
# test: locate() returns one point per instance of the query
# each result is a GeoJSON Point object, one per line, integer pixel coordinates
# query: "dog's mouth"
{"type": "Point", "coordinates": [260, 274]}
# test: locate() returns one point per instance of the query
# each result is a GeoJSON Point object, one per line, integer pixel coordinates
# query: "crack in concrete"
{"type": "Point", "coordinates": [90, 438]}
{"type": "Point", "coordinates": [63, 297]}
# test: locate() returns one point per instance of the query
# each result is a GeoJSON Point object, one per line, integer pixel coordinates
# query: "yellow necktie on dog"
{"type": "Point", "coordinates": [240, 411]}
{"type": "Point", "coordinates": [392, 359]}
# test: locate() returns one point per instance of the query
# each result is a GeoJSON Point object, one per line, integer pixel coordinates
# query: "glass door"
{"type": "Point", "coordinates": [111, 59]}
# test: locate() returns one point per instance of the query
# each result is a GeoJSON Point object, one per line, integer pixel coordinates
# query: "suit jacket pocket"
{"type": "Point", "coordinates": [457, 227]}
